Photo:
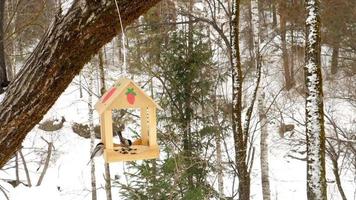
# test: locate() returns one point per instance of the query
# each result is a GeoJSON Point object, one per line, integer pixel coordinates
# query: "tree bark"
{"type": "Point", "coordinates": [266, 192]}
{"type": "Point", "coordinates": [102, 91]}
{"type": "Point", "coordinates": [101, 72]}
{"type": "Point", "coordinates": [285, 56]}
{"type": "Point", "coordinates": [26, 169]}
{"type": "Point", "coordinates": [261, 107]}
{"type": "Point", "coordinates": [337, 177]}
{"type": "Point", "coordinates": [218, 139]}
{"type": "Point", "coordinates": [239, 137]}
{"type": "Point", "coordinates": [65, 48]}
{"type": "Point", "coordinates": [334, 59]}
{"type": "Point", "coordinates": [188, 110]}
{"type": "Point", "coordinates": [3, 75]}
{"type": "Point", "coordinates": [315, 133]}
{"type": "Point", "coordinates": [274, 14]}
{"type": "Point", "coordinates": [17, 170]}
{"type": "Point", "coordinates": [92, 134]}
{"type": "Point", "coordinates": [45, 167]}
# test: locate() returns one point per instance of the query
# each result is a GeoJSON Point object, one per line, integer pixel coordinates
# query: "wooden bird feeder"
{"type": "Point", "coordinates": [126, 94]}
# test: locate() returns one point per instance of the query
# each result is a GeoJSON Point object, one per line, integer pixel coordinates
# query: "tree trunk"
{"type": "Point", "coordinates": [92, 133]}
{"type": "Point", "coordinates": [187, 141]}
{"type": "Point", "coordinates": [334, 59]}
{"type": "Point", "coordinates": [266, 193]}
{"type": "Point", "coordinates": [26, 169]}
{"type": "Point", "coordinates": [101, 72]}
{"type": "Point", "coordinates": [337, 177]}
{"type": "Point", "coordinates": [12, 40]}
{"type": "Point", "coordinates": [45, 167]}
{"type": "Point", "coordinates": [315, 134]}
{"type": "Point", "coordinates": [285, 56]}
{"type": "Point", "coordinates": [274, 14]}
{"type": "Point", "coordinates": [3, 75]}
{"type": "Point", "coordinates": [67, 46]}
{"type": "Point", "coordinates": [102, 91]}
{"type": "Point", "coordinates": [17, 170]}
{"type": "Point", "coordinates": [218, 133]}
{"type": "Point", "coordinates": [261, 107]}
{"type": "Point", "coordinates": [239, 137]}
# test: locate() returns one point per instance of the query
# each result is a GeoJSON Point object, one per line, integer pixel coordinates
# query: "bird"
{"type": "Point", "coordinates": [98, 151]}
{"type": "Point", "coordinates": [125, 142]}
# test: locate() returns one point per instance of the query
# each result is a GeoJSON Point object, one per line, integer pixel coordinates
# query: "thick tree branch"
{"type": "Point", "coordinates": [66, 47]}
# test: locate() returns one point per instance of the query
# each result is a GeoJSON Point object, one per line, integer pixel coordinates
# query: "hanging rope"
{"type": "Point", "coordinates": [122, 39]}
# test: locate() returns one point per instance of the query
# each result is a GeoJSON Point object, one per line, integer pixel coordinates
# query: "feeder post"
{"type": "Point", "coordinates": [152, 126]}
{"type": "Point", "coordinates": [107, 131]}
{"type": "Point", "coordinates": [144, 126]}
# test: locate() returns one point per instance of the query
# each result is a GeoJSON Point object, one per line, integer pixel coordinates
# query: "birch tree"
{"type": "Point", "coordinates": [102, 91]}
{"type": "Point", "coordinates": [66, 47]}
{"type": "Point", "coordinates": [315, 135]}
{"type": "Point", "coordinates": [256, 33]}
{"type": "Point", "coordinates": [266, 192]}
{"type": "Point", "coordinates": [92, 133]}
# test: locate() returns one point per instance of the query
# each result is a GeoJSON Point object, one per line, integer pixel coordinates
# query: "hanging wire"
{"type": "Point", "coordinates": [122, 38]}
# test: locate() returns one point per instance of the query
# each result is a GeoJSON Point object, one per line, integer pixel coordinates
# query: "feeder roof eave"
{"type": "Point", "coordinates": [124, 82]}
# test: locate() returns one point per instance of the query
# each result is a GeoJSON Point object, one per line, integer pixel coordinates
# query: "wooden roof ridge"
{"type": "Point", "coordinates": [116, 90]}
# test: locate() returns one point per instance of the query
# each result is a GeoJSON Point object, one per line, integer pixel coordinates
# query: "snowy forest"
{"type": "Point", "coordinates": [177, 99]}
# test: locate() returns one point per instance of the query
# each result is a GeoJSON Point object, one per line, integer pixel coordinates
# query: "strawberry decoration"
{"type": "Point", "coordinates": [130, 96]}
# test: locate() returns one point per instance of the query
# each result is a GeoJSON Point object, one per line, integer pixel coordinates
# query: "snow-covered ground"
{"type": "Point", "coordinates": [68, 177]}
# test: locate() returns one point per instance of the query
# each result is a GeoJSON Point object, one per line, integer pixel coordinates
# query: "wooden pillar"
{"type": "Point", "coordinates": [102, 127]}
{"type": "Point", "coordinates": [152, 126]}
{"type": "Point", "coordinates": [108, 131]}
{"type": "Point", "coordinates": [144, 126]}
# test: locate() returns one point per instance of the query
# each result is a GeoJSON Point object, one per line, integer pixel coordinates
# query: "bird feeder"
{"type": "Point", "coordinates": [123, 95]}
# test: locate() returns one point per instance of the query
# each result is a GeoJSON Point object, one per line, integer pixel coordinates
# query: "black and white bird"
{"type": "Point", "coordinates": [125, 142]}
{"type": "Point", "coordinates": [98, 151]}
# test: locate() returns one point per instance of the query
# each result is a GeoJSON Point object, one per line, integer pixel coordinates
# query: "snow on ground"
{"type": "Point", "coordinates": [68, 177]}
{"type": "Point", "coordinates": [2, 96]}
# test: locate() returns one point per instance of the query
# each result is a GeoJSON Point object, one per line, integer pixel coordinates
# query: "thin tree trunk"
{"type": "Point", "coordinates": [3, 75]}
{"type": "Point", "coordinates": [92, 133]}
{"type": "Point", "coordinates": [266, 192]}
{"type": "Point", "coordinates": [45, 167]}
{"type": "Point", "coordinates": [69, 43]}
{"type": "Point", "coordinates": [101, 72]}
{"type": "Point", "coordinates": [285, 56]}
{"type": "Point", "coordinates": [102, 91]}
{"type": "Point", "coordinates": [17, 170]}
{"type": "Point", "coordinates": [13, 41]}
{"type": "Point", "coordinates": [107, 182]}
{"type": "Point", "coordinates": [218, 149]}
{"type": "Point", "coordinates": [153, 161]}
{"type": "Point", "coordinates": [250, 35]}
{"type": "Point", "coordinates": [187, 142]}
{"type": "Point", "coordinates": [292, 56]}
{"type": "Point", "coordinates": [4, 191]}
{"type": "Point", "coordinates": [261, 107]}
{"type": "Point", "coordinates": [239, 137]}
{"type": "Point", "coordinates": [26, 169]}
{"type": "Point", "coordinates": [274, 14]}
{"type": "Point", "coordinates": [9, 42]}
{"type": "Point", "coordinates": [337, 178]}
{"type": "Point", "coordinates": [334, 59]}
{"type": "Point", "coordinates": [315, 133]}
